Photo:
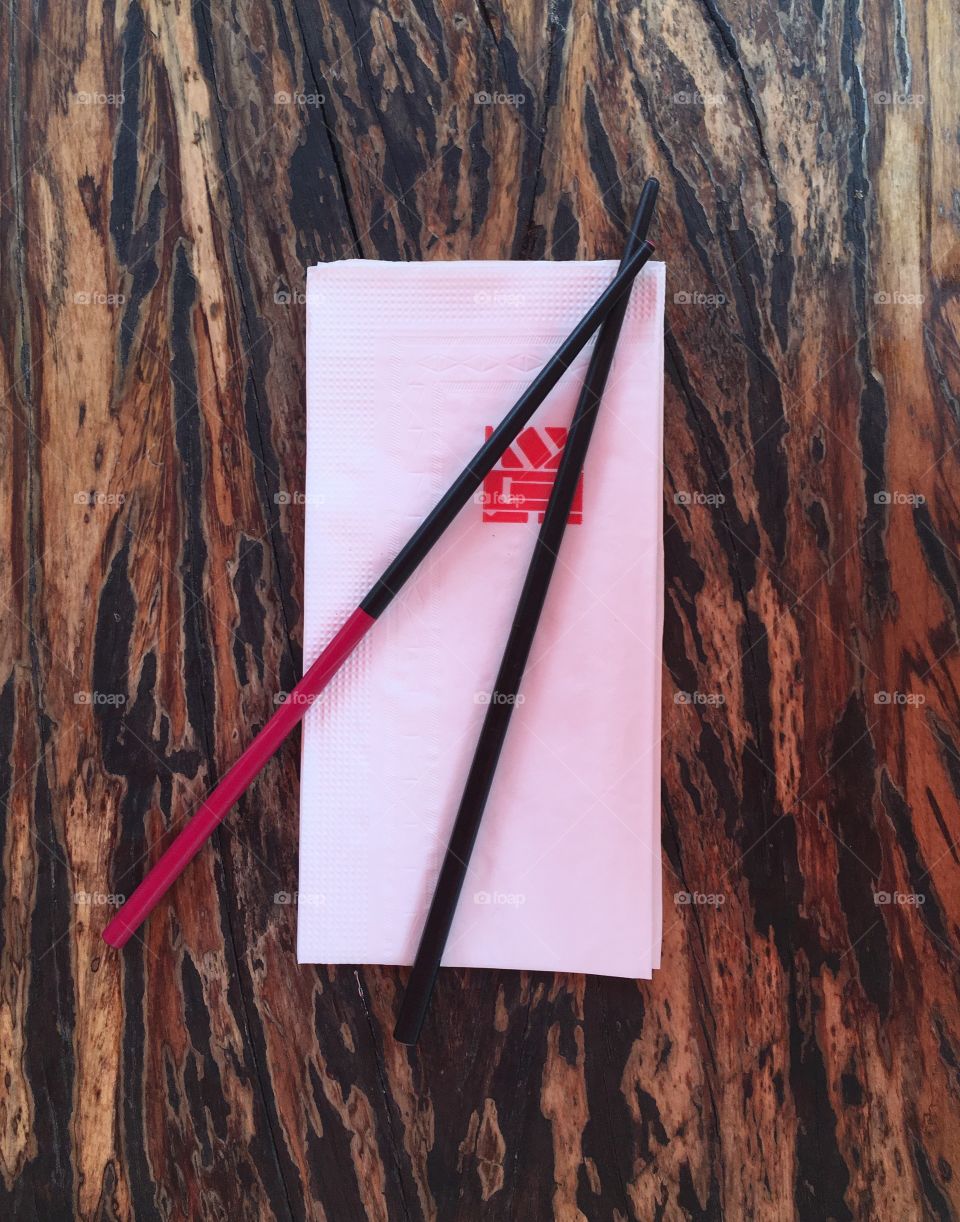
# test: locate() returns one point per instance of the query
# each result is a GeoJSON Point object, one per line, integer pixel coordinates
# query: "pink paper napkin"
{"type": "Point", "coordinates": [408, 365]}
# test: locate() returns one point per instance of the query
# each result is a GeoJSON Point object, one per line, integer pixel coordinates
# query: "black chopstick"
{"type": "Point", "coordinates": [480, 777]}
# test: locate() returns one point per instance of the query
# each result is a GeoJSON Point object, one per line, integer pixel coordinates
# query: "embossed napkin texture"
{"type": "Point", "coordinates": [408, 366]}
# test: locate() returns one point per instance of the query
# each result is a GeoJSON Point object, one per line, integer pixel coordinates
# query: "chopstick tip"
{"type": "Point", "coordinates": [116, 934]}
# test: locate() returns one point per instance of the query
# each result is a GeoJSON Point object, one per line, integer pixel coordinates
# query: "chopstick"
{"type": "Point", "coordinates": [171, 864]}
{"type": "Point", "coordinates": [456, 862]}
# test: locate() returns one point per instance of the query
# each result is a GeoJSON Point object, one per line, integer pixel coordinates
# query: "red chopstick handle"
{"type": "Point", "coordinates": [168, 868]}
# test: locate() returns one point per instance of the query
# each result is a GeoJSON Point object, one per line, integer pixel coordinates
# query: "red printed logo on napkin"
{"type": "Point", "coordinates": [520, 485]}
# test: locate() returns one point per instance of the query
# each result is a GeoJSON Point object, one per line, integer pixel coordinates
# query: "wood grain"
{"type": "Point", "coordinates": [167, 172]}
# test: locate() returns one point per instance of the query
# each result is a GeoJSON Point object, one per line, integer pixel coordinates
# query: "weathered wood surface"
{"type": "Point", "coordinates": [799, 1053]}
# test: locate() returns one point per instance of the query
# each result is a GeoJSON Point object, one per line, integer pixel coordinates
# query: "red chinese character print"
{"type": "Point", "coordinates": [520, 485]}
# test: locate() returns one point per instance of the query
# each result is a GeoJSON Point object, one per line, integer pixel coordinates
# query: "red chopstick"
{"type": "Point", "coordinates": [171, 864]}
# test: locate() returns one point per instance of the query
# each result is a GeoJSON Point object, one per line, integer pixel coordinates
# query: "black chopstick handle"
{"type": "Point", "coordinates": [468, 481]}
{"type": "Point", "coordinates": [443, 907]}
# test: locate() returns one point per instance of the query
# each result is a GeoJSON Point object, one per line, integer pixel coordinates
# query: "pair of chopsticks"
{"type": "Point", "coordinates": [456, 862]}
{"type": "Point", "coordinates": [610, 305]}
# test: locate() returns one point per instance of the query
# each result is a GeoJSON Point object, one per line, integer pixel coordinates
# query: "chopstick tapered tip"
{"type": "Point", "coordinates": [410, 1020]}
{"type": "Point", "coordinates": [117, 933]}
{"type": "Point", "coordinates": [645, 208]}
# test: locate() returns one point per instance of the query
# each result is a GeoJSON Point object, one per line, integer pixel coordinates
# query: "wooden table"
{"type": "Point", "coordinates": [168, 171]}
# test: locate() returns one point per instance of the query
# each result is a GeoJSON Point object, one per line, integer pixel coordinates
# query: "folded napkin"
{"type": "Point", "coordinates": [408, 366]}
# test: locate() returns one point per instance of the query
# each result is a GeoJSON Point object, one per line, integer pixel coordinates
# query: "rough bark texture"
{"type": "Point", "coordinates": [167, 171]}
